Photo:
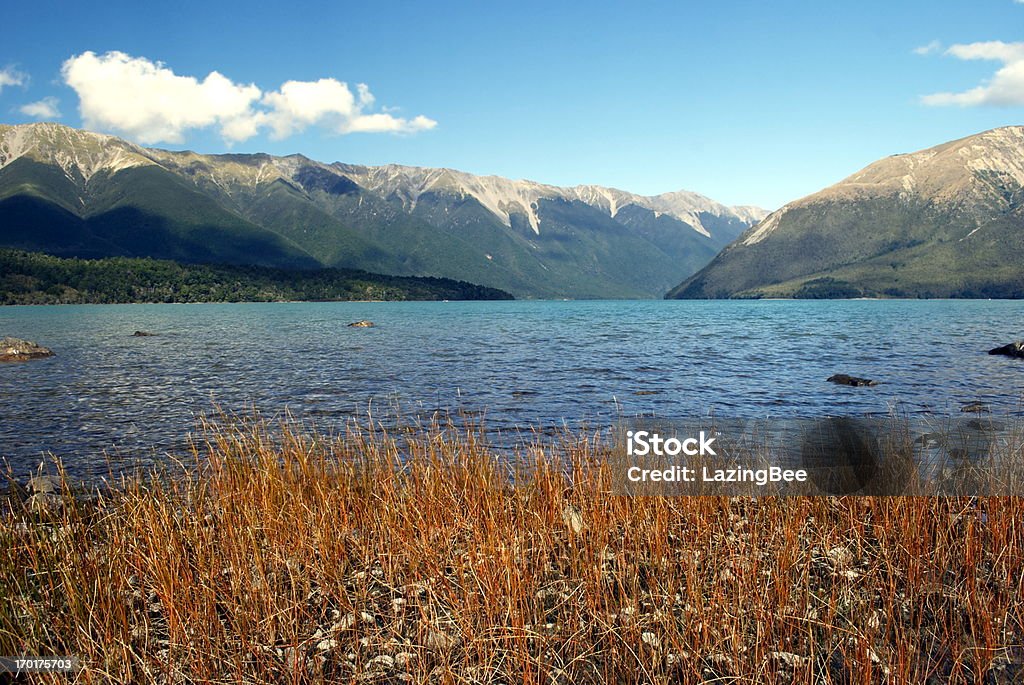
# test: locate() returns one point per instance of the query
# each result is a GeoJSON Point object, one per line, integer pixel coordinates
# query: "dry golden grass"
{"type": "Point", "coordinates": [288, 557]}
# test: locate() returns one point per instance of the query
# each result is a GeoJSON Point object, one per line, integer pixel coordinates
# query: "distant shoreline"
{"type": "Point", "coordinates": [531, 299]}
{"type": "Point", "coordinates": [33, 278]}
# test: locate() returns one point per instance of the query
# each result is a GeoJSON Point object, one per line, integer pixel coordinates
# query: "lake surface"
{"type": "Point", "coordinates": [109, 398]}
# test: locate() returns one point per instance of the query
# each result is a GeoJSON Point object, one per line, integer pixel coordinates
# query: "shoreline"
{"type": "Point", "coordinates": [530, 299]}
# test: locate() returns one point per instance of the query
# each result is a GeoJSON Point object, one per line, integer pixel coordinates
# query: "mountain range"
{"type": "Point", "coordinates": [943, 222]}
{"type": "Point", "coordinates": [74, 193]}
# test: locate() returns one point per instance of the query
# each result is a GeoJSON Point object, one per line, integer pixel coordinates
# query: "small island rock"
{"type": "Point", "coordinates": [361, 324]}
{"type": "Point", "coordinates": [854, 381]}
{"type": "Point", "coordinates": [1014, 349]}
{"type": "Point", "coordinates": [17, 350]}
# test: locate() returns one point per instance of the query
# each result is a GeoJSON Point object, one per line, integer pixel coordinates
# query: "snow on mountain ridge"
{"type": "Point", "coordinates": [70, 149]}
{"type": "Point", "coordinates": [503, 196]}
{"type": "Point", "coordinates": [87, 153]}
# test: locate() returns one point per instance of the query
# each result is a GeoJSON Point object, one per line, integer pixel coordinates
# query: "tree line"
{"type": "Point", "coordinates": [35, 278]}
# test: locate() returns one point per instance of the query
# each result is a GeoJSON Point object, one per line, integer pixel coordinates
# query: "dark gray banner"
{"type": "Point", "coordinates": [819, 457]}
{"type": "Point", "coordinates": [38, 664]}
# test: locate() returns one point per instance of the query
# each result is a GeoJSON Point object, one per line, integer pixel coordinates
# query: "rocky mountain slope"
{"type": "Point", "coordinates": [74, 193]}
{"type": "Point", "coordinates": [943, 222]}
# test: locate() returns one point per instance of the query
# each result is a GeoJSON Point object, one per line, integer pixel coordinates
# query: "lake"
{"type": "Point", "coordinates": [109, 399]}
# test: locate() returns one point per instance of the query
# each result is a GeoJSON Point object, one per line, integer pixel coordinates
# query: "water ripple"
{"type": "Point", "coordinates": [108, 398]}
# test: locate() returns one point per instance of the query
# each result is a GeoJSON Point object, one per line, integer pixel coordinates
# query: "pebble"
{"type": "Point", "coordinates": [326, 645]}
{"type": "Point", "coordinates": [438, 640]}
{"type": "Point", "coordinates": [383, 661]}
{"type": "Point", "coordinates": [651, 640]}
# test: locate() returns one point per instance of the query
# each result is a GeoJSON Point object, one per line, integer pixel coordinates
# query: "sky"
{"type": "Point", "coordinates": [745, 102]}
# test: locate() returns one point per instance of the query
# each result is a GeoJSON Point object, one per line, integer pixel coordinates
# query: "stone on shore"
{"type": "Point", "coordinates": [854, 381]}
{"type": "Point", "coordinates": [17, 350]}
{"type": "Point", "coordinates": [44, 503]}
{"type": "Point", "coordinates": [651, 640]}
{"type": "Point", "coordinates": [438, 640]}
{"type": "Point", "coordinates": [43, 485]}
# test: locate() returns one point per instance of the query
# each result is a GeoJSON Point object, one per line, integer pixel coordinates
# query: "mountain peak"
{"type": "Point", "coordinates": [959, 171]}
{"type": "Point", "coordinates": [77, 152]}
{"type": "Point", "coordinates": [939, 222]}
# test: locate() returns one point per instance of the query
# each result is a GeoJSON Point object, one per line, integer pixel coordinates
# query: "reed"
{"type": "Point", "coordinates": [281, 555]}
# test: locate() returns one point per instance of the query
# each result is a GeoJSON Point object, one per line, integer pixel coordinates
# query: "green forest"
{"type": "Point", "coordinates": [34, 278]}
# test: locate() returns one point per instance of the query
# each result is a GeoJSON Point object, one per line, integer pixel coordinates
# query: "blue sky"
{"type": "Point", "coordinates": [746, 102]}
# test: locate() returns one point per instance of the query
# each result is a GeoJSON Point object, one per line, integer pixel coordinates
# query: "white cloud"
{"type": "Point", "coordinates": [148, 102]}
{"type": "Point", "coordinates": [1005, 88]}
{"type": "Point", "coordinates": [376, 123]}
{"type": "Point", "coordinates": [932, 47]}
{"type": "Point", "coordinates": [41, 109]}
{"type": "Point", "coordinates": [9, 76]}
{"type": "Point", "coordinates": [331, 104]}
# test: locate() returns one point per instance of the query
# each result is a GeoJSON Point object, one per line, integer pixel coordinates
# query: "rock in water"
{"type": "Point", "coordinates": [16, 350]}
{"type": "Point", "coordinates": [142, 334]}
{"type": "Point", "coordinates": [843, 379]}
{"type": "Point", "coordinates": [1014, 349]}
{"type": "Point", "coordinates": [361, 324]}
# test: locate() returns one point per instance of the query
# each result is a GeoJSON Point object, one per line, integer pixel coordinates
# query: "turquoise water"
{"type": "Point", "coordinates": [108, 396]}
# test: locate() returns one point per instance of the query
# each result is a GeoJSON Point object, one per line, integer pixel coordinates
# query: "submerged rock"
{"type": "Point", "coordinates": [975, 407]}
{"type": "Point", "coordinates": [1014, 349]}
{"type": "Point", "coordinates": [17, 350]}
{"type": "Point", "coordinates": [142, 334]}
{"type": "Point", "coordinates": [854, 381]}
{"type": "Point", "coordinates": [361, 324]}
